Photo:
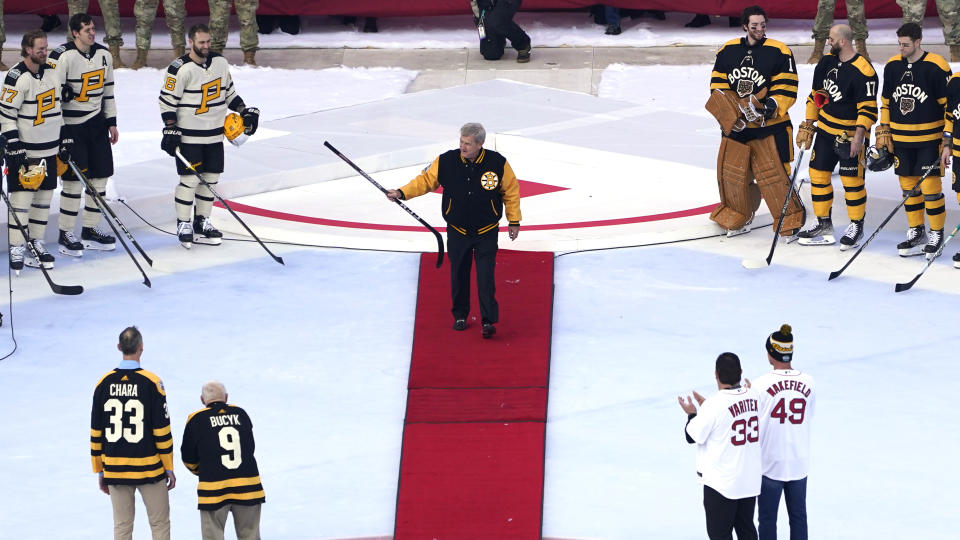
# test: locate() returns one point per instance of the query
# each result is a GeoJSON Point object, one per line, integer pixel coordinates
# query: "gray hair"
{"type": "Point", "coordinates": [845, 32]}
{"type": "Point", "coordinates": [475, 130]}
{"type": "Point", "coordinates": [130, 340]}
{"type": "Point", "coordinates": [213, 391]}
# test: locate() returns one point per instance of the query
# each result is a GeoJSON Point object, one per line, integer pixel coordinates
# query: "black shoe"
{"type": "Point", "coordinates": [460, 324]}
{"type": "Point", "coordinates": [699, 21]}
{"type": "Point", "coordinates": [523, 55]}
{"type": "Point", "coordinates": [613, 30]}
{"type": "Point", "coordinates": [657, 14]}
{"type": "Point", "coordinates": [290, 24]}
{"type": "Point", "coordinates": [267, 23]}
{"type": "Point", "coordinates": [370, 25]}
{"type": "Point", "coordinates": [50, 22]}
{"type": "Point", "coordinates": [488, 330]}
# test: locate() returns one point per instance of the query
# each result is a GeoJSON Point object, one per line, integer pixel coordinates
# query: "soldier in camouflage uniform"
{"type": "Point", "coordinates": [824, 20]}
{"type": "Point", "coordinates": [111, 20]}
{"type": "Point", "coordinates": [3, 37]}
{"type": "Point", "coordinates": [220, 20]}
{"type": "Point", "coordinates": [949, 11]}
{"type": "Point", "coordinates": [146, 11]}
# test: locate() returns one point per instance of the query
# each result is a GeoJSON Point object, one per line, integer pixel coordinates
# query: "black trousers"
{"type": "Point", "coordinates": [727, 515]}
{"type": "Point", "coordinates": [462, 251]}
{"type": "Point", "coordinates": [499, 27]}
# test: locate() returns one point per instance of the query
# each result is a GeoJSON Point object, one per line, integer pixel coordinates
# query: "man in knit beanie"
{"type": "Point", "coordinates": [787, 398]}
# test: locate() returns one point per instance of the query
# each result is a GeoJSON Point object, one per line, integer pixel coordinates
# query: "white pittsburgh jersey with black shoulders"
{"type": "Point", "coordinates": [90, 76]}
{"type": "Point", "coordinates": [727, 432]}
{"type": "Point", "coordinates": [30, 110]}
{"type": "Point", "coordinates": [787, 399]}
{"type": "Point", "coordinates": [196, 96]}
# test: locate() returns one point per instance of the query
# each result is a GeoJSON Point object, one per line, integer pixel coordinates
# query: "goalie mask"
{"type": "Point", "coordinates": [233, 129]}
{"type": "Point", "coordinates": [33, 173]}
{"type": "Point", "coordinates": [879, 159]}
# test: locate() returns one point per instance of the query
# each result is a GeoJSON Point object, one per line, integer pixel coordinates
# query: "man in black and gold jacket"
{"type": "Point", "coordinates": [477, 185]}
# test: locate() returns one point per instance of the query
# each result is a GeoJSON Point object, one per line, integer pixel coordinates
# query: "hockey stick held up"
{"type": "Point", "coordinates": [384, 190]}
{"type": "Point", "coordinates": [199, 176]}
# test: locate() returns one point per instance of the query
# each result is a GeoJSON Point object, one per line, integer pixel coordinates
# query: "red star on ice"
{"type": "Point", "coordinates": [530, 189]}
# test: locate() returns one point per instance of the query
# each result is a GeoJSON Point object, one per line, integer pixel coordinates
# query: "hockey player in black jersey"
{"type": "Point", "coordinates": [913, 104]}
{"type": "Point", "coordinates": [753, 85]}
{"type": "Point", "coordinates": [951, 130]}
{"type": "Point", "coordinates": [841, 109]}
{"type": "Point", "coordinates": [218, 447]}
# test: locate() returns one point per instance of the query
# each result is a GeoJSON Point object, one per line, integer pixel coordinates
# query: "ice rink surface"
{"type": "Point", "coordinates": [317, 351]}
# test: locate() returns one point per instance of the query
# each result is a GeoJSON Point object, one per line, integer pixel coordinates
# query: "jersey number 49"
{"type": "Point", "coordinates": [792, 411]}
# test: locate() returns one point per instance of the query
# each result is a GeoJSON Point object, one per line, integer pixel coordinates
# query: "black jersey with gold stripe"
{"type": "Point", "coordinates": [914, 99]}
{"type": "Point", "coordinates": [218, 447]}
{"type": "Point", "coordinates": [747, 69]}
{"type": "Point", "coordinates": [952, 124]}
{"type": "Point", "coordinates": [852, 88]}
{"type": "Point", "coordinates": [130, 439]}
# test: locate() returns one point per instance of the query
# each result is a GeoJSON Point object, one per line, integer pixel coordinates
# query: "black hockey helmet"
{"type": "Point", "coordinates": [879, 158]}
{"type": "Point", "coordinates": [841, 145]}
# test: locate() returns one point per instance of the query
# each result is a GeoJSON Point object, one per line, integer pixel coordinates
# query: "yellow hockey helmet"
{"type": "Point", "coordinates": [33, 173]}
{"type": "Point", "coordinates": [233, 129]}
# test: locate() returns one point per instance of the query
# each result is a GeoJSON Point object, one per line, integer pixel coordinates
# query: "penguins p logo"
{"type": "Point", "coordinates": [489, 181]}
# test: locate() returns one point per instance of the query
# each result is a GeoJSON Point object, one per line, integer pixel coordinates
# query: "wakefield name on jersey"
{"type": "Point", "coordinates": [787, 400]}
{"type": "Point", "coordinates": [914, 99]}
{"type": "Point", "coordinates": [196, 97]}
{"type": "Point", "coordinates": [852, 87]}
{"type": "Point", "coordinates": [130, 440]}
{"type": "Point", "coordinates": [218, 447]}
{"type": "Point", "coordinates": [30, 109]}
{"type": "Point", "coordinates": [747, 69]}
{"type": "Point", "coordinates": [90, 76]}
{"type": "Point", "coordinates": [727, 432]}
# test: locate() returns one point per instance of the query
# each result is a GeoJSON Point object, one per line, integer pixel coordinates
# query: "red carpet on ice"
{"type": "Point", "coordinates": [473, 439]}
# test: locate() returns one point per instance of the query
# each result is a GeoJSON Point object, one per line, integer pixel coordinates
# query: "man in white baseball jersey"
{"type": "Point", "coordinates": [727, 433]}
{"type": "Point", "coordinates": [786, 408]}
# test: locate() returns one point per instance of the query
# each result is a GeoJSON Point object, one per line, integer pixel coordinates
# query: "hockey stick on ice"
{"type": "Point", "coordinates": [199, 176]}
{"type": "Point", "coordinates": [900, 287]}
{"type": "Point", "coordinates": [100, 204]}
{"type": "Point", "coordinates": [384, 190]}
{"type": "Point", "coordinates": [68, 290]}
{"type": "Point", "coordinates": [761, 263]}
{"type": "Point", "coordinates": [893, 212]}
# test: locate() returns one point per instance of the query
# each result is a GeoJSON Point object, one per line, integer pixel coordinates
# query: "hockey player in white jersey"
{"type": "Point", "coordinates": [726, 430]}
{"type": "Point", "coordinates": [196, 93]}
{"type": "Point", "coordinates": [31, 121]}
{"type": "Point", "coordinates": [787, 398]}
{"type": "Point", "coordinates": [90, 115]}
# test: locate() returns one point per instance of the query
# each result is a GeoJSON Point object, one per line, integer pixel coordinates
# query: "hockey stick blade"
{"type": "Point", "coordinates": [199, 176]}
{"type": "Point", "coordinates": [754, 264]}
{"type": "Point", "coordinates": [413, 214]}
{"type": "Point", "coordinates": [900, 287]}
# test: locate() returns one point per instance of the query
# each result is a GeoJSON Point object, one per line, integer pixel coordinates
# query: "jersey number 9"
{"type": "Point", "coordinates": [230, 441]}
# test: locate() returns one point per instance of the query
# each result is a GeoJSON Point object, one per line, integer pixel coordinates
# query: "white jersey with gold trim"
{"type": "Point", "coordinates": [196, 97]}
{"type": "Point", "coordinates": [90, 76]}
{"type": "Point", "coordinates": [787, 399]}
{"type": "Point", "coordinates": [727, 432]}
{"type": "Point", "coordinates": [30, 109]}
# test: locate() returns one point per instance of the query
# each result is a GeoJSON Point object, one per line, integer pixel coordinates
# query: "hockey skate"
{"type": "Point", "coordinates": [205, 233]}
{"type": "Point", "coordinates": [934, 241]}
{"type": "Point", "coordinates": [16, 258]}
{"type": "Point", "coordinates": [69, 245]}
{"type": "Point", "coordinates": [94, 238]}
{"type": "Point", "coordinates": [185, 233]}
{"type": "Point", "coordinates": [913, 245]}
{"type": "Point", "coordinates": [742, 230]}
{"type": "Point", "coordinates": [852, 236]}
{"type": "Point", "coordinates": [820, 234]}
{"type": "Point", "coordinates": [956, 260]}
{"type": "Point", "coordinates": [44, 257]}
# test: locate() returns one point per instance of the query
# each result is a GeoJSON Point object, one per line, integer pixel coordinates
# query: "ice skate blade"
{"type": "Point", "coordinates": [844, 247]}
{"type": "Point", "coordinates": [71, 252]}
{"type": "Point", "coordinates": [207, 241]}
{"type": "Point", "coordinates": [910, 252]}
{"type": "Point", "coordinates": [738, 232]}
{"type": "Point", "coordinates": [186, 245]}
{"type": "Point", "coordinates": [824, 240]}
{"type": "Point", "coordinates": [34, 263]}
{"type": "Point", "coordinates": [97, 246]}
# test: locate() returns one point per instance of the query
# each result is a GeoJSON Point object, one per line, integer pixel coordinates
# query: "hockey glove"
{"type": "Point", "coordinates": [751, 108]}
{"type": "Point", "coordinates": [66, 148]}
{"type": "Point", "coordinates": [15, 155]}
{"type": "Point", "coordinates": [805, 134]}
{"type": "Point", "coordinates": [820, 98]}
{"type": "Point", "coordinates": [251, 119]}
{"type": "Point", "coordinates": [884, 137]}
{"type": "Point", "coordinates": [171, 140]}
{"type": "Point", "coordinates": [66, 93]}
{"type": "Point", "coordinates": [770, 108]}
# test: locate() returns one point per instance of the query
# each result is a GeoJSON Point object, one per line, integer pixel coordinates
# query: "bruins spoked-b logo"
{"type": "Point", "coordinates": [489, 180]}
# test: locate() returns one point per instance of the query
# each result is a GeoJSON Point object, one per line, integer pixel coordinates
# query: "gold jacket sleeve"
{"type": "Point", "coordinates": [510, 189]}
{"type": "Point", "coordinates": [425, 182]}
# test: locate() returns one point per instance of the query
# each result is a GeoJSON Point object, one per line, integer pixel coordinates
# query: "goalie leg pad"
{"type": "Point", "coordinates": [723, 105]}
{"type": "Point", "coordinates": [774, 183]}
{"type": "Point", "coordinates": [739, 197]}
